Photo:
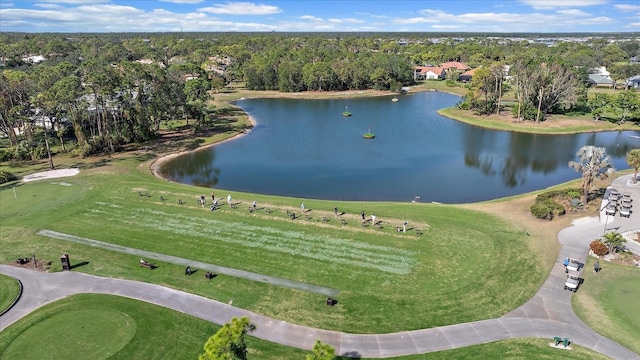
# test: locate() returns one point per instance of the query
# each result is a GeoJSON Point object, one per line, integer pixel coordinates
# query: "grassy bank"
{"type": "Point", "coordinates": [606, 301]}
{"type": "Point", "coordinates": [556, 124]}
{"type": "Point", "coordinates": [383, 275]}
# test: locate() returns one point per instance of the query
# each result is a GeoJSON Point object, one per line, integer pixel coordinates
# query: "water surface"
{"type": "Point", "coordinates": [306, 148]}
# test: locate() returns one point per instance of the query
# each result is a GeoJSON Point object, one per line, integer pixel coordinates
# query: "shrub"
{"type": "Point", "coordinates": [6, 154]}
{"type": "Point", "coordinates": [6, 176]}
{"type": "Point", "coordinates": [547, 209]}
{"type": "Point", "coordinates": [598, 247]}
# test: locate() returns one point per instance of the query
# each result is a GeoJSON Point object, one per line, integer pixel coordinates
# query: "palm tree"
{"type": "Point", "coordinates": [593, 163]}
{"type": "Point", "coordinates": [633, 160]}
{"type": "Point", "coordinates": [614, 240]}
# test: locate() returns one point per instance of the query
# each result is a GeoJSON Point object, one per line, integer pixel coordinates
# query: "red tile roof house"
{"type": "Point", "coordinates": [429, 73]}
{"type": "Point", "coordinates": [455, 65]}
{"type": "Point", "coordinates": [467, 75]}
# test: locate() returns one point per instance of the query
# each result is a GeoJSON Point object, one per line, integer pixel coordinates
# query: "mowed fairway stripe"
{"type": "Point", "coordinates": [194, 264]}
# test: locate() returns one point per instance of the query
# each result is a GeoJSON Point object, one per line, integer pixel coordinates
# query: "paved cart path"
{"type": "Point", "coordinates": [546, 315]}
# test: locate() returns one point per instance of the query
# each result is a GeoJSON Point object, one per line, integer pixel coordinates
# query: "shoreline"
{"type": "Point", "coordinates": [157, 163]}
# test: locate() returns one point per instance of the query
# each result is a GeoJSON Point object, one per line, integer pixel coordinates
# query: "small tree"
{"type": "Point", "coordinates": [614, 240]}
{"type": "Point", "coordinates": [633, 160]}
{"type": "Point", "coordinates": [593, 163]}
{"type": "Point", "coordinates": [229, 342]}
{"type": "Point", "coordinates": [322, 351]}
{"type": "Point", "coordinates": [628, 102]}
{"type": "Point", "coordinates": [598, 247]}
{"type": "Point", "coordinates": [599, 103]}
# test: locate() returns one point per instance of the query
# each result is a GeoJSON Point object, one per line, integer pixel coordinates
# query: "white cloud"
{"type": "Point", "coordinates": [114, 18]}
{"type": "Point", "coordinates": [6, 5]}
{"type": "Point", "coordinates": [183, 1]}
{"type": "Point", "coordinates": [47, 5]}
{"type": "Point", "coordinates": [78, 2]}
{"type": "Point", "coordinates": [310, 17]}
{"type": "Point", "coordinates": [563, 20]}
{"type": "Point", "coordinates": [241, 8]}
{"type": "Point", "coordinates": [415, 20]}
{"type": "Point", "coordinates": [447, 27]}
{"type": "Point", "coordinates": [627, 7]}
{"type": "Point", "coordinates": [376, 16]}
{"type": "Point", "coordinates": [573, 12]}
{"type": "Point", "coordinates": [353, 21]}
{"type": "Point", "coordinates": [633, 25]}
{"type": "Point", "coordinates": [347, 20]}
{"type": "Point", "coordinates": [553, 4]}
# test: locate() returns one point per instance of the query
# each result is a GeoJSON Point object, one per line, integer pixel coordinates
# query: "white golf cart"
{"type": "Point", "coordinates": [574, 263]}
{"type": "Point", "coordinates": [573, 281]}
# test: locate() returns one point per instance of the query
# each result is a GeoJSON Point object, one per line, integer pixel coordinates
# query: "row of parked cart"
{"type": "Point", "coordinates": [617, 203]}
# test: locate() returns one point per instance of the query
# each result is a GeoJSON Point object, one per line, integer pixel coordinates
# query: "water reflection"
{"type": "Point", "coordinates": [305, 148]}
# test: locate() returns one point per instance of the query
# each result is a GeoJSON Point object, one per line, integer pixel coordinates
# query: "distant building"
{"type": "Point", "coordinates": [428, 73]}
{"type": "Point", "coordinates": [633, 82]}
{"type": "Point", "coordinates": [467, 75]}
{"type": "Point", "coordinates": [33, 59]}
{"type": "Point", "coordinates": [455, 65]}
{"type": "Point", "coordinates": [598, 80]}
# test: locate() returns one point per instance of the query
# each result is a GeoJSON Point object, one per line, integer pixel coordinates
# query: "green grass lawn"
{"type": "Point", "coordinates": [560, 124]}
{"type": "Point", "coordinates": [608, 302]}
{"type": "Point", "coordinates": [93, 326]}
{"type": "Point", "coordinates": [388, 281]}
{"type": "Point", "coordinates": [9, 289]}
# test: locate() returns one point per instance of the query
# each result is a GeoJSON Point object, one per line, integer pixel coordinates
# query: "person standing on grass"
{"type": "Point", "coordinates": [302, 208]}
{"type": "Point", "coordinates": [362, 213]}
{"type": "Point", "coordinates": [404, 227]}
{"type": "Point", "coordinates": [213, 196]}
{"type": "Point", "coordinates": [373, 219]}
{"type": "Point", "coordinates": [229, 200]}
{"type": "Point", "coordinates": [254, 205]}
{"type": "Point", "coordinates": [335, 210]}
{"type": "Point", "coordinates": [596, 267]}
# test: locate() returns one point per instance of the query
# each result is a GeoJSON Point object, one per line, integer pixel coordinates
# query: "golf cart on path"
{"type": "Point", "coordinates": [573, 280]}
{"type": "Point", "coordinates": [573, 264]}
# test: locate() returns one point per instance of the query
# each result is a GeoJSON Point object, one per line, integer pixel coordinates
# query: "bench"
{"type": "Point", "coordinates": [209, 275]}
{"type": "Point", "coordinates": [324, 219]}
{"type": "Point", "coordinates": [148, 265]}
{"type": "Point", "coordinates": [163, 198]}
{"type": "Point", "coordinates": [140, 193]}
{"type": "Point", "coordinates": [308, 217]}
{"type": "Point", "coordinates": [565, 341]}
{"type": "Point", "coordinates": [343, 222]}
{"type": "Point", "coordinates": [418, 232]}
{"type": "Point", "coordinates": [22, 261]}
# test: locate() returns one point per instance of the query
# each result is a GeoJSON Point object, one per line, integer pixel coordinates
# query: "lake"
{"type": "Point", "coordinates": [308, 149]}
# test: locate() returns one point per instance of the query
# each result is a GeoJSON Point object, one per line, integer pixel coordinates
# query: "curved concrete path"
{"type": "Point", "coordinates": [546, 315]}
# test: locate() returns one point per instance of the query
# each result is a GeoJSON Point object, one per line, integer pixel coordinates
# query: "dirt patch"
{"type": "Point", "coordinates": [40, 264]}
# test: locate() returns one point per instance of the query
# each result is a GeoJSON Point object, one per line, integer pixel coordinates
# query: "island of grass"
{"type": "Point", "coordinates": [10, 291]}
{"type": "Point", "coordinates": [369, 135]}
{"type": "Point", "coordinates": [346, 113]}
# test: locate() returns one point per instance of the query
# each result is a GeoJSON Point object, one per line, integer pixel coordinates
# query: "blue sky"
{"type": "Point", "coordinates": [329, 15]}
